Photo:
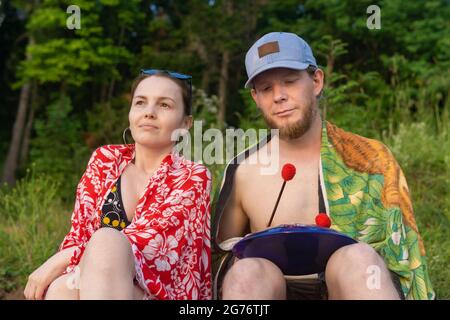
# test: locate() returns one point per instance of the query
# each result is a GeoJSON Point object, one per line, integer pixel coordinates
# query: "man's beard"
{"type": "Point", "coordinates": [297, 129]}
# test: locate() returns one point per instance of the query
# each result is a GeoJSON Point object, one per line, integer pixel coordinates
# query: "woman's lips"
{"type": "Point", "coordinates": [148, 127]}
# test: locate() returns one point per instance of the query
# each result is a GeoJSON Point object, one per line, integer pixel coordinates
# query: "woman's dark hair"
{"type": "Point", "coordinates": [184, 85]}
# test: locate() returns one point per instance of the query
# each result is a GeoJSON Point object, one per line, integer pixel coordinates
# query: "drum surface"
{"type": "Point", "coordinates": [296, 249]}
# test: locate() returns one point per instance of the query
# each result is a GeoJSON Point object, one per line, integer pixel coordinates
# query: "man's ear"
{"type": "Point", "coordinates": [254, 96]}
{"type": "Point", "coordinates": [318, 80]}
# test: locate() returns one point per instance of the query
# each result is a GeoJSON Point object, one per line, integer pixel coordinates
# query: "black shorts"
{"type": "Point", "coordinates": [315, 288]}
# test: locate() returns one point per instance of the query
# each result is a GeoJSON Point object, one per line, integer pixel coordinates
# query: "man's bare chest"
{"type": "Point", "coordinates": [298, 204]}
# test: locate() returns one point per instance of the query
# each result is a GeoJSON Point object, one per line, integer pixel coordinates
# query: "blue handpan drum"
{"type": "Point", "coordinates": [296, 249]}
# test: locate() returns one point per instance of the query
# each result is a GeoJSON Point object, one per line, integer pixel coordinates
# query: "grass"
{"type": "Point", "coordinates": [33, 224]}
{"type": "Point", "coordinates": [35, 220]}
{"type": "Point", "coordinates": [424, 157]}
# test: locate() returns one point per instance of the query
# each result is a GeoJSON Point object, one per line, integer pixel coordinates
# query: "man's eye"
{"type": "Point", "coordinates": [289, 81]}
{"type": "Point", "coordinates": [265, 89]}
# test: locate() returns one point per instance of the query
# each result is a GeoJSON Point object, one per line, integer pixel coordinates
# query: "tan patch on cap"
{"type": "Point", "coordinates": [268, 48]}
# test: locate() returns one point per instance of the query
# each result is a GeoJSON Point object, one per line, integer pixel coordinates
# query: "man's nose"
{"type": "Point", "coordinates": [279, 93]}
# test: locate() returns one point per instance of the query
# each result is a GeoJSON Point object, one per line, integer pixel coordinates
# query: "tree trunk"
{"type": "Point", "coordinates": [103, 92]}
{"type": "Point", "coordinates": [223, 86]}
{"type": "Point", "coordinates": [110, 90]}
{"type": "Point", "coordinates": [206, 78]}
{"type": "Point", "coordinates": [12, 158]}
{"type": "Point", "coordinates": [10, 166]}
{"type": "Point", "coordinates": [197, 46]}
{"type": "Point", "coordinates": [113, 81]}
{"type": "Point", "coordinates": [29, 126]}
{"type": "Point", "coordinates": [224, 69]}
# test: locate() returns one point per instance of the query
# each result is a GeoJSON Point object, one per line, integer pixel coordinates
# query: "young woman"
{"type": "Point", "coordinates": [140, 226]}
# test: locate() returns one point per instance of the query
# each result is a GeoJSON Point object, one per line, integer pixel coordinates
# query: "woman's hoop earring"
{"type": "Point", "coordinates": [124, 135]}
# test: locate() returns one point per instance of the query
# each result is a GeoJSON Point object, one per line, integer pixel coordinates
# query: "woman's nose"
{"type": "Point", "coordinates": [150, 111]}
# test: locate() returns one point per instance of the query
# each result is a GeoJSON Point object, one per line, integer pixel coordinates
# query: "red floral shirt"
{"type": "Point", "coordinates": [170, 231]}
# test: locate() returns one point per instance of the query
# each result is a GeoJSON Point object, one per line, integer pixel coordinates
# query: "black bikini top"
{"type": "Point", "coordinates": [113, 211]}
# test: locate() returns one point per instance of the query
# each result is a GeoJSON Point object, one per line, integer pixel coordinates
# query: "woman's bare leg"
{"type": "Point", "coordinates": [138, 293]}
{"type": "Point", "coordinates": [61, 289]}
{"type": "Point", "coordinates": [66, 287]}
{"type": "Point", "coordinates": [107, 267]}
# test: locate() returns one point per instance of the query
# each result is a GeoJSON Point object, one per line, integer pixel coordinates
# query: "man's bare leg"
{"type": "Point", "coordinates": [357, 272]}
{"type": "Point", "coordinates": [254, 279]}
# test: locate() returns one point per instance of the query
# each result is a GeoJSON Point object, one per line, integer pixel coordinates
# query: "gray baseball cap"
{"type": "Point", "coordinates": [278, 50]}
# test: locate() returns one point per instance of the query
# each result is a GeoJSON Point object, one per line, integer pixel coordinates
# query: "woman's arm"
{"type": "Point", "coordinates": [43, 276]}
{"type": "Point", "coordinates": [72, 246]}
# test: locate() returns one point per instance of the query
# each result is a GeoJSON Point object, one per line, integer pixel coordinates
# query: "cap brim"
{"type": "Point", "coordinates": [289, 64]}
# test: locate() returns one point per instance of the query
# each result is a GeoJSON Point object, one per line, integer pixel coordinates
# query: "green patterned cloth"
{"type": "Point", "coordinates": [368, 199]}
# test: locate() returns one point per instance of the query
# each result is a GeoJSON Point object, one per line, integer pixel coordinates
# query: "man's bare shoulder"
{"type": "Point", "coordinates": [247, 170]}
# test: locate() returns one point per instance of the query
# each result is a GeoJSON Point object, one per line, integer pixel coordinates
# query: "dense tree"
{"type": "Point", "coordinates": [374, 78]}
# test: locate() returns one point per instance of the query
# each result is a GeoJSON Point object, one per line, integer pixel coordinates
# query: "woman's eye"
{"type": "Point", "coordinates": [139, 103]}
{"type": "Point", "coordinates": [164, 105]}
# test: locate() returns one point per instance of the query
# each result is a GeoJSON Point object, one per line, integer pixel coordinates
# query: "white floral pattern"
{"type": "Point", "coordinates": [170, 233]}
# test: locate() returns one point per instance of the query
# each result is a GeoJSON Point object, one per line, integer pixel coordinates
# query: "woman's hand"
{"type": "Point", "coordinates": [39, 281]}
{"type": "Point", "coordinates": [42, 277]}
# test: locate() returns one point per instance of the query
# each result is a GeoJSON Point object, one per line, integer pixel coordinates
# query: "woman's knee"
{"type": "Point", "coordinates": [108, 240]}
{"type": "Point", "coordinates": [251, 273]}
{"type": "Point", "coordinates": [105, 250]}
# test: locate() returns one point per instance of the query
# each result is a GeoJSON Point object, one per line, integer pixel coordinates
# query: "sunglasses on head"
{"type": "Point", "coordinates": [173, 74]}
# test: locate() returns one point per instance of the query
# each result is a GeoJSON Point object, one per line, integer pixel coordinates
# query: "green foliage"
{"type": "Point", "coordinates": [107, 121]}
{"type": "Point", "coordinates": [58, 149]}
{"type": "Point", "coordinates": [205, 108]}
{"type": "Point", "coordinates": [71, 56]}
{"type": "Point", "coordinates": [249, 115]}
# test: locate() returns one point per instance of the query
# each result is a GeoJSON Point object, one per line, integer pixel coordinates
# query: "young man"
{"type": "Point", "coordinates": [361, 187]}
